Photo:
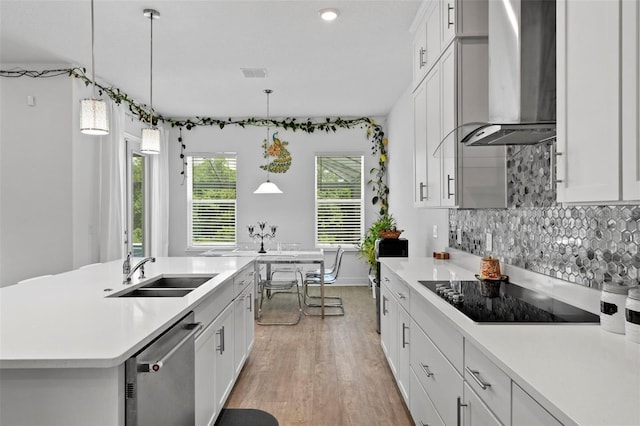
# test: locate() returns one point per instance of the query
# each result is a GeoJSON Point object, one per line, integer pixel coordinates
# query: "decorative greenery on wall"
{"type": "Point", "coordinates": [374, 131]}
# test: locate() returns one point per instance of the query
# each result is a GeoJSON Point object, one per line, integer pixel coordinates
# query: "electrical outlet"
{"type": "Point", "coordinates": [459, 236]}
{"type": "Point", "coordinates": [489, 241]}
{"type": "Point", "coordinates": [435, 231]}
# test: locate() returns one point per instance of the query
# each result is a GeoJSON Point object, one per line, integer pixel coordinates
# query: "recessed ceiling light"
{"type": "Point", "coordinates": [328, 14]}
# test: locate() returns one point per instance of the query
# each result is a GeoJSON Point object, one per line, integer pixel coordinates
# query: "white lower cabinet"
{"type": "Point", "coordinates": [527, 411]}
{"type": "Point", "coordinates": [445, 378]}
{"type": "Point", "coordinates": [223, 346]}
{"type": "Point", "coordinates": [422, 410]}
{"type": "Point", "coordinates": [435, 373]}
{"type": "Point", "coordinates": [395, 329]}
{"type": "Point", "coordinates": [474, 412]}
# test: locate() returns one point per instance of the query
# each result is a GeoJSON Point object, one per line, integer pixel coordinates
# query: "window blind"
{"type": "Point", "coordinates": [339, 200]}
{"type": "Point", "coordinates": [212, 200]}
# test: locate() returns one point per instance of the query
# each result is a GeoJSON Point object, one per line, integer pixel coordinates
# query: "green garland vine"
{"type": "Point", "coordinates": [374, 131]}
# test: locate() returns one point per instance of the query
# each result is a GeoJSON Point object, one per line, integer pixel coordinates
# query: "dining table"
{"type": "Point", "coordinates": [279, 257]}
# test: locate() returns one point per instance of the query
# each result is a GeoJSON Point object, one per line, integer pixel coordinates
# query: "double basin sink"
{"type": "Point", "coordinates": [167, 286]}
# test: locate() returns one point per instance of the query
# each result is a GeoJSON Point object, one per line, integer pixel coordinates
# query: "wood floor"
{"type": "Point", "coordinates": [322, 372]}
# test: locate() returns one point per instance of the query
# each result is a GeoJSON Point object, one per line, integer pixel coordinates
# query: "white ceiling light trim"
{"type": "Point", "coordinates": [93, 112]}
{"type": "Point", "coordinates": [150, 136]}
{"type": "Point", "coordinates": [329, 14]}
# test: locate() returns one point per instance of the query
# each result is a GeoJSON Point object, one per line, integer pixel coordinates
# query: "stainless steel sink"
{"type": "Point", "coordinates": [192, 281]}
{"type": "Point", "coordinates": [148, 292]}
{"type": "Point", "coordinates": [167, 286]}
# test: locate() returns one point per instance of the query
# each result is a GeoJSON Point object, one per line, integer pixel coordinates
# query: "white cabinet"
{"type": "Point", "coordinates": [224, 356]}
{"type": "Point", "coordinates": [223, 346]}
{"type": "Point", "coordinates": [205, 379]}
{"type": "Point", "coordinates": [439, 23]}
{"type": "Point", "coordinates": [527, 411]}
{"type": "Point", "coordinates": [422, 410]}
{"type": "Point", "coordinates": [475, 413]}
{"type": "Point", "coordinates": [395, 329]}
{"type": "Point", "coordinates": [243, 319]}
{"type": "Point", "coordinates": [449, 380]}
{"type": "Point", "coordinates": [456, 91]}
{"type": "Point", "coordinates": [420, 145]}
{"type": "Point", "coordinates": [597, 101]}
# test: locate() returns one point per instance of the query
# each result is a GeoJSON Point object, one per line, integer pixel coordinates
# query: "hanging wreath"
{"type": "Point", "coordinates": [374, 131]}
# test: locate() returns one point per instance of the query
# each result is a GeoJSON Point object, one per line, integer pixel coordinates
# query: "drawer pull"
{"type": "Point", "coordinates": [426, 370]}
{"type": "Point", "coordinates": [404, 335]}
{"type": "Point", "coordinates": [423, 423]}
{"type": "Point", "coordinates": [476, 377]}
{"type": "Point", "coordinates": [401, 295]}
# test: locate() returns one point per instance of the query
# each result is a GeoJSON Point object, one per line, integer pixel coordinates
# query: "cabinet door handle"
{"type": "Point", "coordinates": [476, 377]}
{"type": "Point", "coordinates": [459, 405]}
{"type": "Point", "coordinates": [250, 302]}
{"type": "Point", "coordinates": [449, 179]}
{"type": "Point", "coordinates": [426, 370]}
{"type": "Point", "coordinates": [404, 335]}
{"type": "Point", "coordinates": [423, 186]}
{"type": "Point", "coordinates": [449, 9]}
{"type": "Point", "coordinates": [423, 54]}
{"type": "Point", "coordinates": [221, 346]}
{"type": "Point", "coordinates": [553, 160]}
{"type": "Point", "coordinates": [384, 305]}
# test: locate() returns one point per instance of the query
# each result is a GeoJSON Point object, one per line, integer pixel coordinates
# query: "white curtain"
{"type": "Point", "coordinates": [160, 198]}
{"type": "Point", "coordinates": [112, 187]}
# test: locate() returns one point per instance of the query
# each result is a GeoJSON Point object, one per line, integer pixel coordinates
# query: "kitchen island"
{"type": "Point", "coordinates": [64, 341]}
{"type": "Point", "coordinates": [577, 373]}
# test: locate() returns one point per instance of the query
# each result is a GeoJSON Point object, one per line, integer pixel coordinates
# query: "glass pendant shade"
{"type": "Point", "coordinates": [93, 117]}
{"type": "Point", "coordinates": [150, 141]}
{"type": "Point", "coordinates": [268, 187]}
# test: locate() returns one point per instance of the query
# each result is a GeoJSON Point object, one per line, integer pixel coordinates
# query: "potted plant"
{"type": "Point", "coordinates": [384, 227]}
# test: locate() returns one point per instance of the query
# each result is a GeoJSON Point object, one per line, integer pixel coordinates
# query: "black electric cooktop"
{"type": "Point", "coordinates": [504, 302]}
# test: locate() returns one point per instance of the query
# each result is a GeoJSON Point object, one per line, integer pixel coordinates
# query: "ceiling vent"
{"type": "Point", "coordinates": [254, 72]}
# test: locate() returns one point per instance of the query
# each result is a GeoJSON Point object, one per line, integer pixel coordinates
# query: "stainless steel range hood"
{"type": "Point", "coordinates": [522, 74]}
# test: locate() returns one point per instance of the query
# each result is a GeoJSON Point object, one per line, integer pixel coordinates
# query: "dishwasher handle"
{"type": "Point", "coordinates": [155, 366]}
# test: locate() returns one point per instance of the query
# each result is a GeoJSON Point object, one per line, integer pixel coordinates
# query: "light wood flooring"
{"type": "Point", "coordinates": [322, 372]}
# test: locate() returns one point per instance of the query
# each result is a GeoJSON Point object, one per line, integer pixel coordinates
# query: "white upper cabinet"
{"type": "Point", "coordinates": [438, 23]}
{"type": "Point", "coordinates": [597, 98]}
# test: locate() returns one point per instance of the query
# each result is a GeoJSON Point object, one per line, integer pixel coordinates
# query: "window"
{"type": "Point", "coordinates": [138, 207]}
{"type": "Point", "coordinates": [211, 195]}
{"type": "Point", "coordinates": [339, 200]}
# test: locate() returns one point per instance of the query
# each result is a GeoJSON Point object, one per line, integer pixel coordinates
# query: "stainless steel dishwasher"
{"type": "Point", "coordinates": [160, 378]}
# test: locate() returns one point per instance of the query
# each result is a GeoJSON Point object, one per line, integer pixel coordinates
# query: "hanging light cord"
{"type": "Point", "coordinates": [93, 61]}
{"type": "Point", "coordinates": [151, 72]}
{"type": "Point", "coordinates": [266, 152]}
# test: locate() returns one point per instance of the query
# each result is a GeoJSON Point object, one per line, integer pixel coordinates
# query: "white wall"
{"type": "Point", "coordinates": [292, 211]}
{"type": "Point", "coordinates": [47, 176]}
{"type": "Point", "coordinates": [417, 223]}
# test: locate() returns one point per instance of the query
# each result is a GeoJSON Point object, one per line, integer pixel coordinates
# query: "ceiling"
{"type": "Point", "coordinates": [357, 65]}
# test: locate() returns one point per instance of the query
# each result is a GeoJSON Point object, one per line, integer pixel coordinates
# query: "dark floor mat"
{"type": "Point", "coordinates": [245, 417]}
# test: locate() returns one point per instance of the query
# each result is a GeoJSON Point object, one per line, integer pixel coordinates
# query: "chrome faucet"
{"type": "Point", "coordinates": [128, 271]}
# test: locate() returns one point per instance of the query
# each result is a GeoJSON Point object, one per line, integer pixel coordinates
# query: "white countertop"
{"type": "Point", "coordinates": [66, 320]}
{"type": "Point", "coordinates": [581, 373]}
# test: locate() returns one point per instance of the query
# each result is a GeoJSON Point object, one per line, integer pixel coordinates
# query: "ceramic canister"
{"type": "Point", "coordinates": [490, 268]}
{"type": "Point", "coordinates": [612, 306]}
{"type": "Point", "coordinates": [632, 315]}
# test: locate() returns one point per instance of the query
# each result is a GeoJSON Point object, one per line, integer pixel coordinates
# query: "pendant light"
{"type": "Point", "coordinates": [151, 135]}
{"type": "Point", "coordinates": [93, 111]}
{"type": "Point", "coordinates": [267, 187]}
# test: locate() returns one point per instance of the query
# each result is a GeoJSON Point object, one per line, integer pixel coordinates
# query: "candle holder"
{"type": "Point", "coordinates": [262, 234]}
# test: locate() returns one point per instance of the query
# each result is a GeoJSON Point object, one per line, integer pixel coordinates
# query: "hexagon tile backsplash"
{"type": "Point", "coordinates": [586, 245]}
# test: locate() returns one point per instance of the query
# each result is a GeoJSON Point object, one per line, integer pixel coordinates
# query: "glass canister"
{"type": "Point", "coordinates": [632, 315]}
{"type": "Point", "coordinates": [612, 307]}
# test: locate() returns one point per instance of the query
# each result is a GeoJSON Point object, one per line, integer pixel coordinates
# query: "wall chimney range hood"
{"type": "Point", "coordinates": [522, 74]}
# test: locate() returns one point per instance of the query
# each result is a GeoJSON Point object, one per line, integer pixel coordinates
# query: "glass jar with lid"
{"type": "Point", "coordinates": [632, 315]}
